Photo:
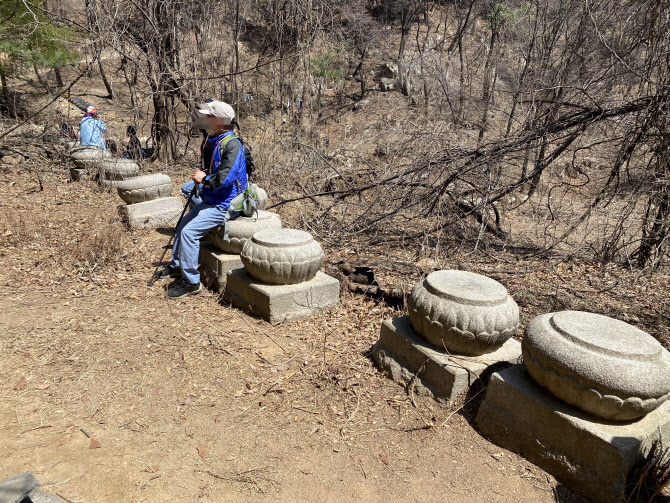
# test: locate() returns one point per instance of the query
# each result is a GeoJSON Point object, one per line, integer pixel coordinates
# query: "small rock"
{"type": "Point", "coordinates": [202, 450]}
{"type": "Point", "coordinates": [21, 384]}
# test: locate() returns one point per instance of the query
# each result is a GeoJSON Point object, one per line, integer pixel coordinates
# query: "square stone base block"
{"type": "Point", "coordinates": [590, 456]}
{"type": "Point", "coordinates": [408, 358]}
{"type": "Point", "coordinates": [281, 302]}
{"type": "Point", "coordinates": [156, 213]}
{"type": "Point", "coordinates": [215, 266]}
{"type": "Point", "coordinates": [78, 174]}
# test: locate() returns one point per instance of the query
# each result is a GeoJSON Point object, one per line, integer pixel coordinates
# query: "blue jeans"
{"type": "Point", "coordinates": [186, 192]}
{"type": "Point", "coordinates": [194, 226]}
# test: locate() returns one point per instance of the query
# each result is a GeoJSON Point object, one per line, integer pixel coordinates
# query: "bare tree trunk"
{"type": "Point", "coordinates": [59, 77]}
{"type": "Point", "coordinates": [41, 80]}
{"type": "Point", "coordinates": [488, 84]}
{"type": "Point", "coordinates": [92, 18]}
{"type": "Point", "coordinates": [9, 106]}
{"type": "Point", "coordinates": [131, 88]}
{"type": "Point", "coordinates": [103, 75]}
{"type": "Point", "coordinates": [655, 228]}
{"type": "Point", "coordinates": [236, 53]}
{"type": "Point", "coordinates": [402, 73]}
{"type": "Point", "coordinates": [524, 71]}
{"type": "Point", "coordinates": [461, 83]}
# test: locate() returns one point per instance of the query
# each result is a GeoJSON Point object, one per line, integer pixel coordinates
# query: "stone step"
{"type": "Point", "coordinates": [590, 456]}
{"type": "Point", "coordinates": [411, 360]}
{"type": "Point", "coordinates": [162, 212]}
{"type": "Point", "coordinates": [281, 302]}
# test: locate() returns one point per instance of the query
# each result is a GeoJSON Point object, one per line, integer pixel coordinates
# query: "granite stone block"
{"type": "Point", "coordinates": [215, 266]}
{"type": "Point", "coordinates": [155, 213]}
{"type": "Point", "coordinates": [408, 358]}
{"type": "Point", "coordinates": [590, 456]}
{"type": "Point", "coordinates": [281, 302]}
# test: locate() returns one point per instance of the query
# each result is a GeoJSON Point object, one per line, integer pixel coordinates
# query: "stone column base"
{"type": "Point", "coordinates": [408, 358]}
{"type": "Point", "coordinates": [156, 213]}
{"type": "Point", "coordinates": [78, 174]}
{"type": "Point", "coordinates": [281, 302]}
{"type": "Point", "coordinates": [215, 266]}
{"type": "Point", "coordinates": [590, 456]}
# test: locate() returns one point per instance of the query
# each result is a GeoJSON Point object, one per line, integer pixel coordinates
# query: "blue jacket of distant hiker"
{"type": "Point", "coordinates": [225, 168]}
{"type": "Point", "coordinates": [90, 132]}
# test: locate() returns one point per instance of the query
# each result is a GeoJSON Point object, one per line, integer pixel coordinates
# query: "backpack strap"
{"type": "Point", "coordinates": [221, 145]}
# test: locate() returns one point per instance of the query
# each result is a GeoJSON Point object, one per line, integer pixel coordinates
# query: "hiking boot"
{"type": "Point", "coordinates": [183, 289]}
{"type": "Point", "coordinates": [169, 272]}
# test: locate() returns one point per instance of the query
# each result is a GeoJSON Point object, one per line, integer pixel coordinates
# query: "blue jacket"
{"type": "Point", "coordinates": [90, 132]}
{"type": "Point", "coordinates": [227, 167]}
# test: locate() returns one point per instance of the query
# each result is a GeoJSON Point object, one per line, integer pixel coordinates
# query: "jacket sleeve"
{"type": "Point", "coordinates": [102, 126]}
{"type": "Point", "coordinates": [223, 163]}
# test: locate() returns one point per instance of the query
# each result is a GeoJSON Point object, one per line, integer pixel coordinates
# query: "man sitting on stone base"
{"type": "Point", "coordinates": [223, 176]}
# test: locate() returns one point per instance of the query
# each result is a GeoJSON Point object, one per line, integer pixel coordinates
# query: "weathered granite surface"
{"type": "Point", "coordinates": [118, 169]}
{"type": "Point", "coordinates": [590, 456]}
{"type": "Point", "coordinates": [24, 488]}
{"type": "Point", "coordinates": [282, 256]}
{"type": "Point", "coordinates": [281, 302]}
{"type": "Point", "coordinates": [156, 213]}
{"type": "Point", "coordinates": [241, 229]}
{"type": "Point", "coordinates": [464, 312]}
{"type": "Point", "coordinates": [604, 366]}
{"type": "Point", "coordinates": [38, 496]}
{"type": "Point", "coordinates": [215, 266]}
{"type": "Point", "coordinates": [15, 488]}
{"type": "Point", "coordinates": [145, 188]}
{"type": "Point", "coordinates": [411, 361]}
{"type": "Point", "coordinates": [87, 156]}
{"type": "Point", "coordinates": [78, 174]}
{"type": "Point", "coordinates": [262, 198]}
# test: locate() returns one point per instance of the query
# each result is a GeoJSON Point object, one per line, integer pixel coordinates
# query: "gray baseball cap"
{"type": "Point", "coordinates": [218, 109]}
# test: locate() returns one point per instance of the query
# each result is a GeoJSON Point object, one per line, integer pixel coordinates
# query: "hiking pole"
{"type": "Point", "coordinates": [169, 245]}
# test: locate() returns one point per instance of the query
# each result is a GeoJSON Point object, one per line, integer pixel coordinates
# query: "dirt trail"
{"type": "Point", "coordinates": [193, 400]}
{"type": "Point", "coordinates": [178, 418]}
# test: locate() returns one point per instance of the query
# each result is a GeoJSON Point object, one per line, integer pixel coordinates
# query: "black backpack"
{"type": "Point", "coordinates": [249, 159]}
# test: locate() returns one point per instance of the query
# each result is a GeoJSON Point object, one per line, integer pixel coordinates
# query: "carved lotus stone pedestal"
{"type": "Point", "coordinates": [112, 171]}
{"type": "Point", "coordinates": [86, 161]}
{"type": "Point", "coordinates": [148, 201]}
{"type": "Point", "coordinates": [463, 312]}
{"type": "Point", "coordinates": [282, 256]}
{"type": "Point", "coordinates": [587, 404]}
{"type": "Point", "coordinates": [145, 188]}
{"type": "Point", "coordinates": [411, 360]}
{"type": "Point", "coordinates": [603, 366]}
{"type": "Point", "coordinates": [281, 278]}
{"type": "Point", "coordinates": [163, 212]}
{"type": "Point", "coordinates": [262, 198]}
{"type": "Point", "coordinates": [241, 229]}
{"type": "Point", "coordinates": [221, 256]}
{"type": "Point", "coordinates": [458, 329]}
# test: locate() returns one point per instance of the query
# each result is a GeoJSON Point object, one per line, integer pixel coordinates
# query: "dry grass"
{"type": "Point", "coordinates": [80, 239]}
{"type": "Point", "coordinates": [651, 476]}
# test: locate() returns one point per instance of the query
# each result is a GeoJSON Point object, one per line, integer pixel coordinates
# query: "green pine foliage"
{"type": "Point", "coordinates": [28, 37]}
